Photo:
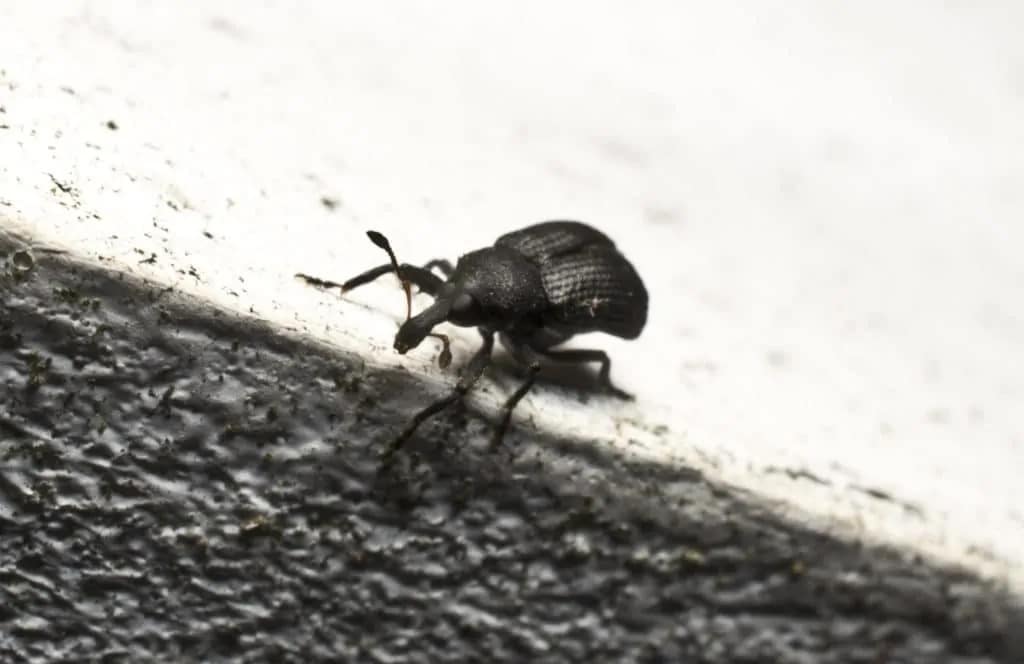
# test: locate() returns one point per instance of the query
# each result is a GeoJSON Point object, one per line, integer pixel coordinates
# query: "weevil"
{"type": "Point", "coordinates": [535, 289]}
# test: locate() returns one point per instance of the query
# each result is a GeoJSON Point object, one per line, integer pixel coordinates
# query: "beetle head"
{"type": "Point", "coordinates": [494, 287]}
{"type": "Point", "coordinates": [414, 330]}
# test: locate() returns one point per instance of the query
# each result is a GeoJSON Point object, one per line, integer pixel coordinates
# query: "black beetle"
{"type": "Point", "coordinates": [536, 288]}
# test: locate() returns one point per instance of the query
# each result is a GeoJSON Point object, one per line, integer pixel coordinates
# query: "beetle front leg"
{"type": "Point", "coordinates": [582, 355]}
{"type": "Point", "coordinates": [470, 375]}
{"type": "Point", "coordinates": [423, 278]}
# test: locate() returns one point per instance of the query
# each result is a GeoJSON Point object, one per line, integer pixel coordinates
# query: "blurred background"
{"type": "Point", "coordinates": [824, 198]}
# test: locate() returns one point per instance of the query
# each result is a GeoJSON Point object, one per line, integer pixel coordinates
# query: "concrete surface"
{"type": "Point", "coordinates": [824, 201]}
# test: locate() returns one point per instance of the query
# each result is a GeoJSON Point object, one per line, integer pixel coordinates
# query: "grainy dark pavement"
{"type": "Point", "coordinates": [181, 485]}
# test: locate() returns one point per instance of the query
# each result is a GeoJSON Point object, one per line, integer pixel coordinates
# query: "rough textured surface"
{"type": "Point", "coordinates": [181, 483]}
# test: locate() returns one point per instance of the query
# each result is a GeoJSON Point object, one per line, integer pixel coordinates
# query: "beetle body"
{"type": "Point", "coordinates": [540, 286]}
{"type": "Point", "coordinates": [589, 285]}
{"type": "Point", "coordinates": [535, 288]}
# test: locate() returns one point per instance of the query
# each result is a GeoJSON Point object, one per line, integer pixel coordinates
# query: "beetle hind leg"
{"type": "Point", "coordinates": [584, 355]}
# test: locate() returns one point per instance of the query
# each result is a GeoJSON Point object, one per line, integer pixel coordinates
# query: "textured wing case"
{"type": "Point", "coordinates": [590, 285]}
{"type": "Point", "coordinates": [552, 238]}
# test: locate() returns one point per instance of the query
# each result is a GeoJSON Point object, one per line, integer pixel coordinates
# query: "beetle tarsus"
{"type": "Point", "coordinates": [319, 283]}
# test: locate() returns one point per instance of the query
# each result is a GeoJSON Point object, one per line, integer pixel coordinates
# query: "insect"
{"type": "Point", "coordinates": [535, 288]}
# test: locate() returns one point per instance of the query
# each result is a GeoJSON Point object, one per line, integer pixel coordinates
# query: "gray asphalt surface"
{"type": "Point", "coordinates": [180, 484]}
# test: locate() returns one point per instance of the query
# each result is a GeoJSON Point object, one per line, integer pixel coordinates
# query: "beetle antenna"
{"type": "Point", "coordinates": [445, 358]}
{"type": "Point", "coordinates": [379, 240]}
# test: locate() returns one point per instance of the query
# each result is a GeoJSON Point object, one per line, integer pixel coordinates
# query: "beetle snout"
{"type": "Point", "coordinates": [409, 336]}
{"type": "Point", "coordinates": [413, 331]}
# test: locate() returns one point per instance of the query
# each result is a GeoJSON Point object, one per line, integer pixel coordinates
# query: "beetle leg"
{"type": "Point", "coordinates": [317, 281]}
{"type": "Point", "coordinates": [425, 280]}
{"type": "Point", "coordinates": [510, 404]}
{"type": "Point", "coordinates": [470, 375]}
{"type": "Point", "coordinates": [581, 355]}
{"type": "Point", "coordinates": [442, 264]}
{"type": "Point", "coordinates": [531, 358]}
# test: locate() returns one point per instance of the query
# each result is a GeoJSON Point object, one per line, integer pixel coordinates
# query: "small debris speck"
{"type": "Point", "coordinates": [330, 203]}
{"type": "Point", "coordinates": [66, 188]}
{"type": "Point", "coordinates": [111, 125]}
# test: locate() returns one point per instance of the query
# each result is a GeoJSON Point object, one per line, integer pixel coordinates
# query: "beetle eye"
{"type": "Point", "coordinates": [463, 304]}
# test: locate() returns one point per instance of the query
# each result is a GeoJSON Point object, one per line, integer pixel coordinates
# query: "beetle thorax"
{"type": "Point", "coordinates": [505, 285]}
